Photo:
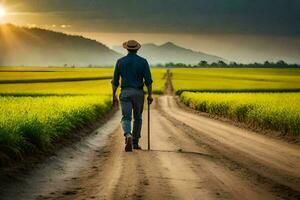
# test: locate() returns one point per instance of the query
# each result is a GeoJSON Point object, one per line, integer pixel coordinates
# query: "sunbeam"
{"type": "Point", "coordinates": [2, 12]}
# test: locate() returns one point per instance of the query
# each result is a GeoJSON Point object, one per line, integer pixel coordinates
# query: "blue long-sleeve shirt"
{"type": "Point", "coordinates": [134, 71]}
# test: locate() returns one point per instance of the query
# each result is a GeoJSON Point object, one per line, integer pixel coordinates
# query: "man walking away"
{"type": "Point", "coordinates": [135, 72]}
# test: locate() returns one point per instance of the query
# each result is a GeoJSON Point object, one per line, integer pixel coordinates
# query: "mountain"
{"type": "Point", "coordinates": [40, 47]}
{"type": "Point", "coordinates": [170, 52]}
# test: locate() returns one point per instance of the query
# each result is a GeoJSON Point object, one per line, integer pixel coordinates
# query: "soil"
{"type": "Point", "coordinates": [191, 157]}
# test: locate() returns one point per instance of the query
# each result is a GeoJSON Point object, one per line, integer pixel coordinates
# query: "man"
{"type": "Point", "coordinates": [135, 72]}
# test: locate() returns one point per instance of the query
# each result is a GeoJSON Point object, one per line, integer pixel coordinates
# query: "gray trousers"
{"type": "Point", "coordinates": [132, 101]}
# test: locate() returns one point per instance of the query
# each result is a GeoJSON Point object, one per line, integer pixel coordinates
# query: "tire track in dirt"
{"type": "Point", "coordinates": [214, 178]}
{"type": "Point", "coordinates": [177, 167]}
{"type": "Point", "coordinates": [273, 162]}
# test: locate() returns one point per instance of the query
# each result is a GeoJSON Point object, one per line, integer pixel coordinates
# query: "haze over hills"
{"type": "Point", "coordinates": [22, 46]}
{"type": "Point", "coordinates": [170, 52]}
{"type": "Point", "coordinates": [40, 47]}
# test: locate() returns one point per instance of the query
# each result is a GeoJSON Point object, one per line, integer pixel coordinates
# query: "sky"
{"type": "Point", "coordinates": [239, 30]}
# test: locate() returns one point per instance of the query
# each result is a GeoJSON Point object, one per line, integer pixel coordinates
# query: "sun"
{"type": "Point", "coordinates": [2, 12]}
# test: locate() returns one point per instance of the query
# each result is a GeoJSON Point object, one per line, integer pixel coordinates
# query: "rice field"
{"type": "Point", "coordinates": [263, 98]}
{"type": "Point", "coordinates": [158, 76]}
{"type": "Point", "coordinates": [40, 105]}
{"type": "Point", "coordinates": [235, 80]}
{"type": "Point", "coordinates": [27, 76]}
{"type": "Point", "coordinates": [28, 123]}
{"type": "Point", "coordinates": [38, 74]}
{"type": "Point", "coordinates": [29, 82]}
{"type": "Point", "coordinates": [95, 87]}
{"type": "Point", "coordinates": [275, 111]}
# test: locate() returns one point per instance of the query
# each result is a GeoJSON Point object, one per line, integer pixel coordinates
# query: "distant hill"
{"type": "Point", "coordinates": [170, 52]}
{"type": "Point", "coordinates": [39, 47]}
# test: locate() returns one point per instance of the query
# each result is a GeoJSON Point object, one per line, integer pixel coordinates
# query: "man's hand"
{"type": "Point", "coordinates": [115, 102]}
{"type": "Point", "coordinates": [150, 99]}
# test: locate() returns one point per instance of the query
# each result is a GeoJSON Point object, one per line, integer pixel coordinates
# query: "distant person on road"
{"type": "Point", "coordinates": [135, 73]}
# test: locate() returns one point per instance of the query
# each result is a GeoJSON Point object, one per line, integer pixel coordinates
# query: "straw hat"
{"type": "Point", "coordinates": [131, 45]}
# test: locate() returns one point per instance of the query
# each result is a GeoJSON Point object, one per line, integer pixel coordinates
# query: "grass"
{"type": "Point", "coordinates": [59, 88]}
{"type": "Point", "coordinates": [35, 122]}
{"type": "Point", "coordinates": [275, 111]}
{"type": "Point", "coordinates": [235, 80]}
{"type": "Point", "coordinates": [61, 83]}
{"type": "Point", "coordinates": [158, 76]}
{"type": "Point", "coordinates": [265, 98]}
{"type": "Point", "coordinates": [51, 69]}
{"type": "Point", "coordinates": [27, 76]}
{"type": "Point", "coordinates": [40, 105]}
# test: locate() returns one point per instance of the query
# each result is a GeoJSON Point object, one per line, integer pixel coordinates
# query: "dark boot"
{"type": "Point", "coordinates": [137, 147]}
{"type": "Point", "coordinates": [136, 144]}
{"type": "Point", "coordinates": [128, 146]}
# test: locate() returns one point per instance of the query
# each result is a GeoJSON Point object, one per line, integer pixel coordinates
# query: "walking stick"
{"type": "Point", "coordinates": [148, 126]}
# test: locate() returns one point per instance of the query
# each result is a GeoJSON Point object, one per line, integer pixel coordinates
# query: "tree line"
{"type": "Point", "coordinates": [222, 64]}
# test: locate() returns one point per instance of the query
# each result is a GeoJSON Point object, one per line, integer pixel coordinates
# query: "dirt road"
{"type": "Point", "coordinates": [192, 157]}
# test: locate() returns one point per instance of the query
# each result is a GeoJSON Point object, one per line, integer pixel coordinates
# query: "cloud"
{"type": "Point", "coordinates": [275, 17]}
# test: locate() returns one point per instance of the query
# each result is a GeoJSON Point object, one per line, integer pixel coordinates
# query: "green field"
{"type": "Point", "coordinates": [27, 123]}
{"type": "Point", "coordinates": [159, 80]}
{"type": "Point", "coordinates": [14, 76]}
{"type": "Point", "coordinates": [265, 98]}
{"type": "Point", "coordinates": [276, 111]}
{"type": "Point", "coordinates": [50, 69]}
{"type": "Point", "coordinates": [235, 80]}
{"type": "Point", "coordinates": [39, 105]}
{"type": "Point", "coordinates": [57, 88]}
{"type": "Point", "coordinates": [30, 82]}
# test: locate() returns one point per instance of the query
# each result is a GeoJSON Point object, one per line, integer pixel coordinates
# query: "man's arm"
{"type": "Point", "coordinates": [148, 82]}
{"type": "Point", "coordinates": [115, 99]}
{"type": "Point", "coordinates": [115, 84]}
